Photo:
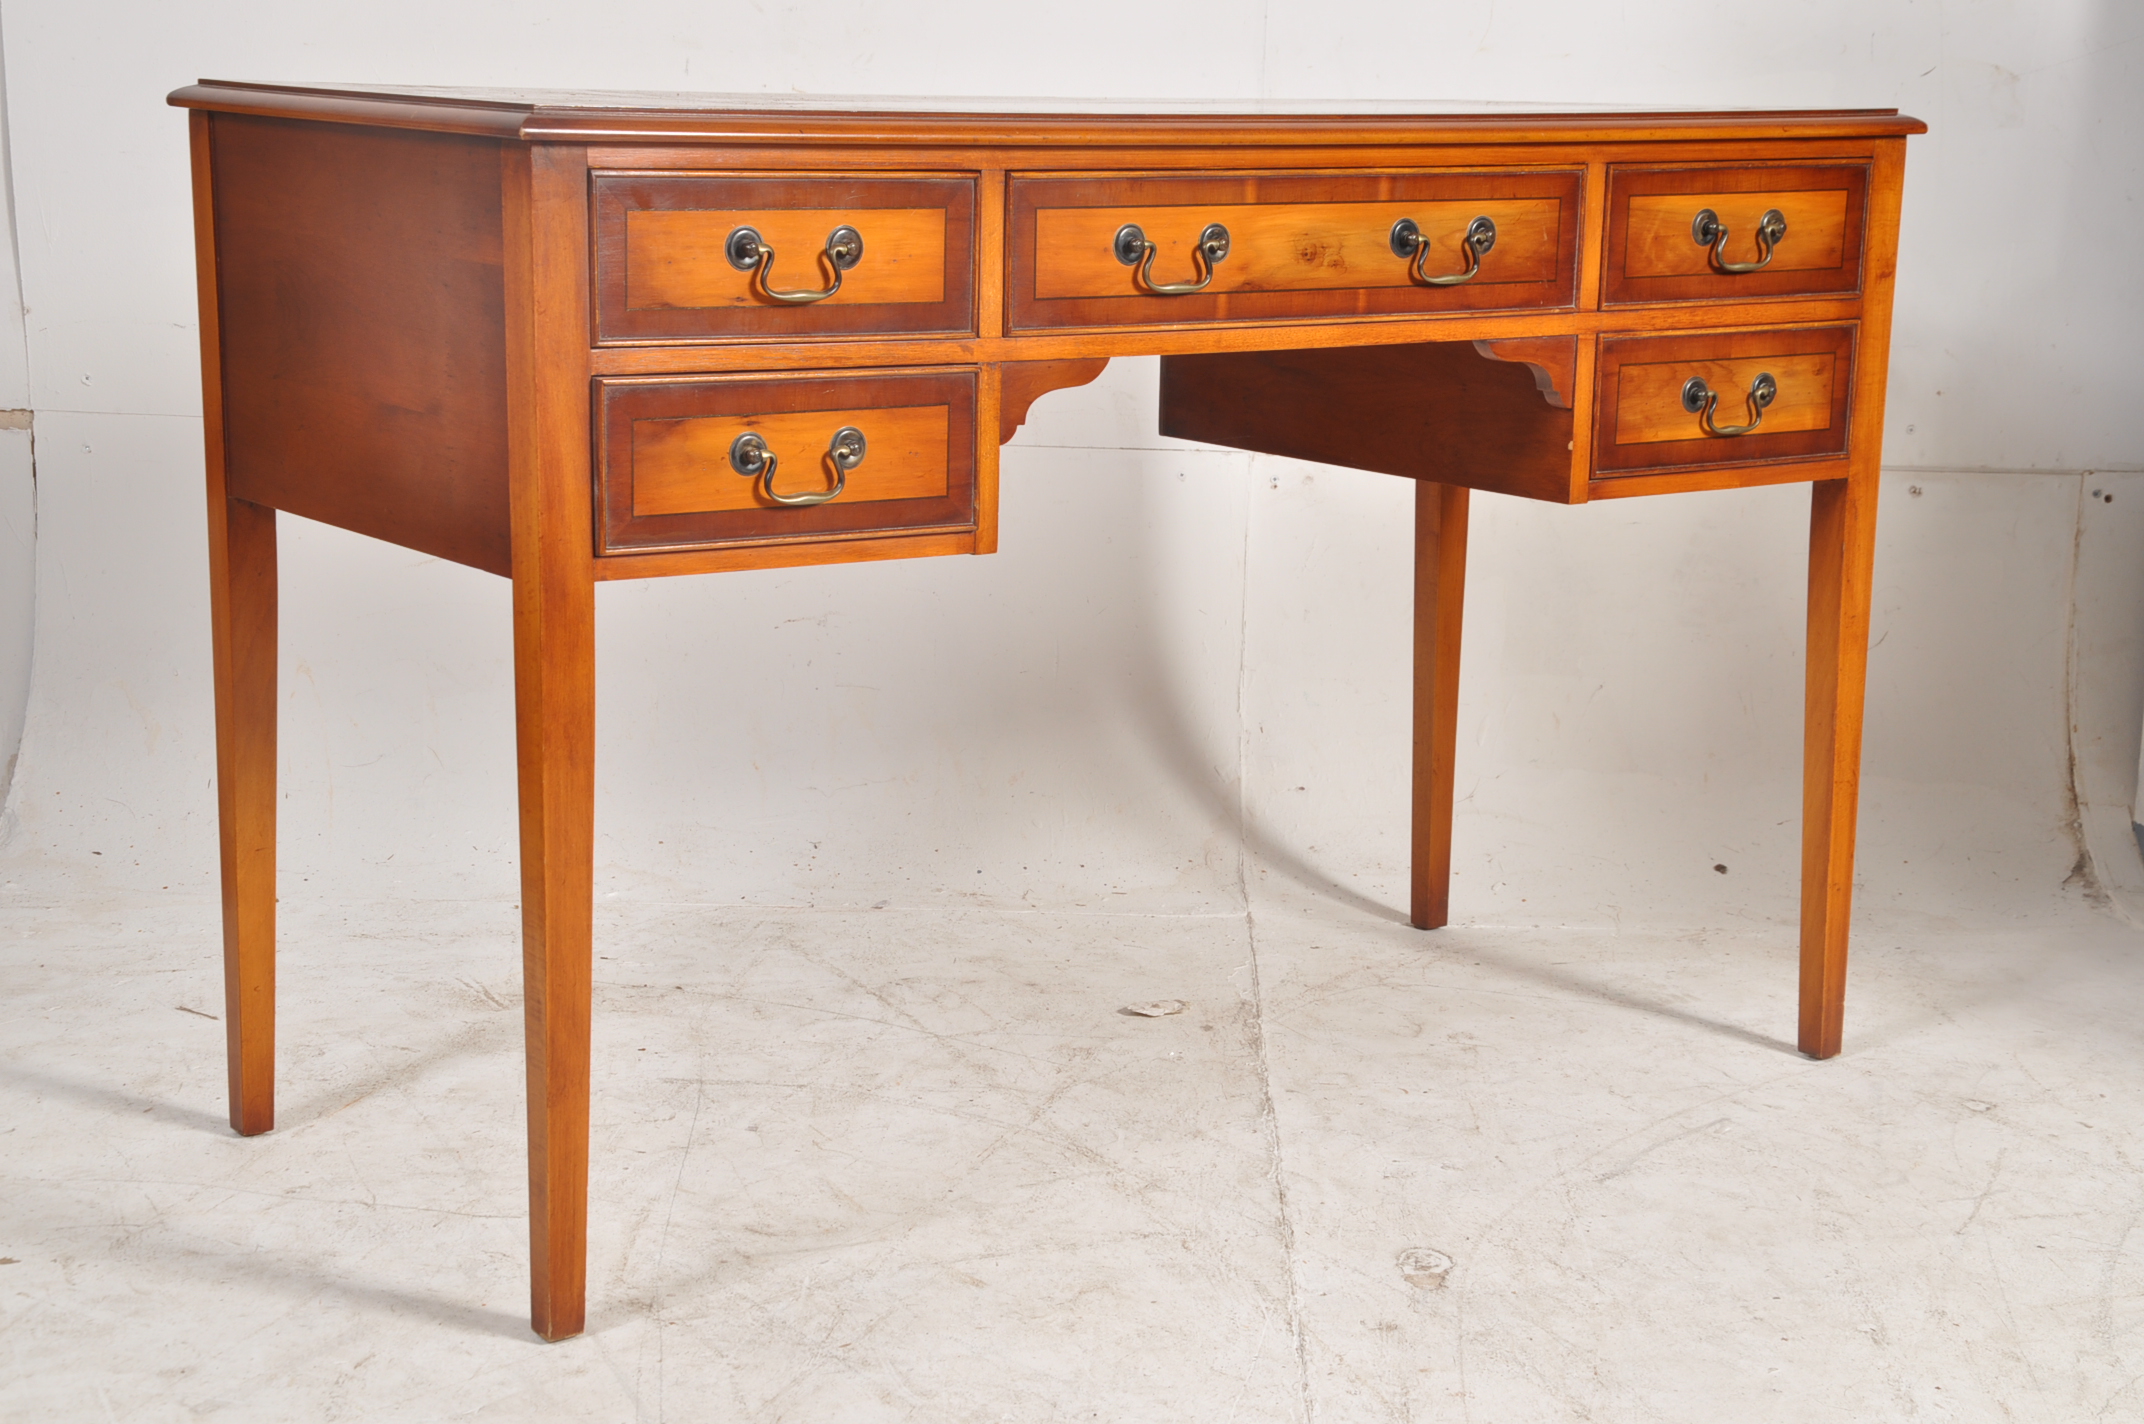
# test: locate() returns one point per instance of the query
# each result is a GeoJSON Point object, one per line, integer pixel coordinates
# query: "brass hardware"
{"type": "Point", "coordinates": [1408, 240]}
{"type": "Point", "coordinates": [1700, 400]}
{"type": "Point", "coordinates": [1134, 251]}
{"type": "Point", "coordinates": [750, 456]}
{"type": "Point", "coordinates": [748, 252]}
{"type": "Point", "coordinates": [846, 449]}
{"type": "Point", "coordinates": [1706, 230]}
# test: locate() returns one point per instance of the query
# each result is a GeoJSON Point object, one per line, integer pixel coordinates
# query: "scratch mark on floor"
{"type": "Point", "coordinates": [662, 1246]}
{"type": "Point", "coordinates": [1269, 1119]}
{"type": "Point", "coordinates": [1982, 1200]}
{"type": "Point", "coordinates": [1646, 1151]}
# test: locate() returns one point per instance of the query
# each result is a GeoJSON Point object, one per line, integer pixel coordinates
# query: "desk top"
{"type": "Point", "coordinates": [599, 116]}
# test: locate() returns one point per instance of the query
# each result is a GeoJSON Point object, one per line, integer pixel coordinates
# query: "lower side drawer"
{"type": "Point", "coordinates": [1667, 403]}
{"type": "Point", "coordinates": [703, 462]}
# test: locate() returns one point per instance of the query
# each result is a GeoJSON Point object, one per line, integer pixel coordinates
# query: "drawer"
{"type": "Point", "coordinates": [668, 267]}
{"type": "Point", "coordinates": [671, 473]}
{"type": "Point", "coordinates": [1297, 245]}
{"type": "Point", "coordinates": [1661, 247]}
{"type": "Point", "coordinates": [1651, 418]}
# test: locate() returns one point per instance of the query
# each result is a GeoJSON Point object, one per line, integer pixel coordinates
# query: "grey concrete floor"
{"type": "Point", "coordinates": [919, 1165]}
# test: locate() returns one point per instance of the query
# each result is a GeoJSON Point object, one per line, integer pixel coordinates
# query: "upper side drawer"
{"type": "Point", "coordinates": [1662, 247]}
{"type": "Point", "coordinates": [1297, 245]}
{"type": "Point", "coordinates": [667, 268]}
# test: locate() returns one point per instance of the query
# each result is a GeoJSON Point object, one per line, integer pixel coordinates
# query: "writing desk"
{"type": "Point", "coordinates": [567, 338]}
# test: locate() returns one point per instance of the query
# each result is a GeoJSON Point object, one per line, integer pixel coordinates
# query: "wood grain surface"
{"type": "Point", "coordinates": [1661, 241]}
{"type": "Point", "coordinates": [1842, 552]}
{"type": "Point", "coordinates": [1438, 411]}
{"type": "Point", "coordinates": [789, 553]}
{"type": "Point", "coordinates": [1650, 256]}
{"type": "Point", "coordinates": [1193, 338]}
{"type": "Point", "coordinates": [680, 259]}
{"type": "Point", "coordinates": [243, 602]}
{"type": "Point", "coordinates": [737, 121]}
{"type": "Point", "coordinates": [1301, 245]}
{"type": "Point", "coordinates": [1440, 582]}
{"type": "Point", "coordinates": [1842, 559]}
{"type": "Point", "coordinates": [1648, 396]}
{"type": "Point", "coordinates": [1713, 477]}
{"type": "Point", "coordinates": [363, 344]}
{"type": "Point", "coordinates": [1292, 247]}
{"type": "Point", "coordinates": [545, 325]}
{"type": "Point", "coordinates": [925, 450]}
{"type": "Point", "coordinates": [1552, 359]}
{"type": "Point", "coordinates": [682, 465]}
{"type": "Point", "coordinates": [501, 329]}
{"type": "Point", "coordinates": [662, 273]}
{"type": "Point", "coordinates": [1642, 425]}
{"type": "Point", "coordinates": [1026, 382]}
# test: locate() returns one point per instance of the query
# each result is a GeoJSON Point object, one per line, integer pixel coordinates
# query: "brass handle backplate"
{"type": "Point", "coordinates": [1701, 400]}
{"type": "Point", "coordinates": [749, 456]}
{"type": "Point", "coordinates": [1706, 230]}
{"type": "Point", "coordinates": [748, 252]}
{"type": "Point", "coordinates": [1134, 251]}
{"type": "Point", "coordinates": [1409, 241]}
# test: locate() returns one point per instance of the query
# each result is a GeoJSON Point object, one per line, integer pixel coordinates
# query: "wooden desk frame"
{"type": "Point", "coordinates": [493, 464]}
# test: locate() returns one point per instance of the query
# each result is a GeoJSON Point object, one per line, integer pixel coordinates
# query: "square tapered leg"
{"type": "Point", "coordinates": [242, 604]}
{"type": "Point", "coordinates": [1842, 542]}
{"type": "Point", "coordinates": [1440, 576]}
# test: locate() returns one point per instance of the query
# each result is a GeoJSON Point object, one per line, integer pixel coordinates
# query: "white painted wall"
{"type": "Point", "coordinates": [1187, 668]}
{"type": "Point", "coordinates": [18, 487]}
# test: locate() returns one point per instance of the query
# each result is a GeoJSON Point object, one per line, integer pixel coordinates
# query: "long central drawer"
{"type": "Point", "coordinates": [1304, 245]}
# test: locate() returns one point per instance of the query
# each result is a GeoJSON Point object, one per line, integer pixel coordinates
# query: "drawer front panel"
{"type": "Point", "coordinates": [1654, 254]}
{"type": "Point", "coordinates": [1646, 427]}
{"type": "Point", "coordinates": [666, 480]}
{"type": "Point", "coordinates": [1299, 245]}
{"type": "Point", "coordinates": [664, 270]}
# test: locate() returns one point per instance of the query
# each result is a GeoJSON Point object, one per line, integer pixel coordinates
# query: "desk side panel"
{"type": "Point", "coordinates": [362, 296]}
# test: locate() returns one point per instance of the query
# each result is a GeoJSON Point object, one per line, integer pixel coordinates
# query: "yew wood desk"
{"type": "Point", "coordinates": [569, 337]}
